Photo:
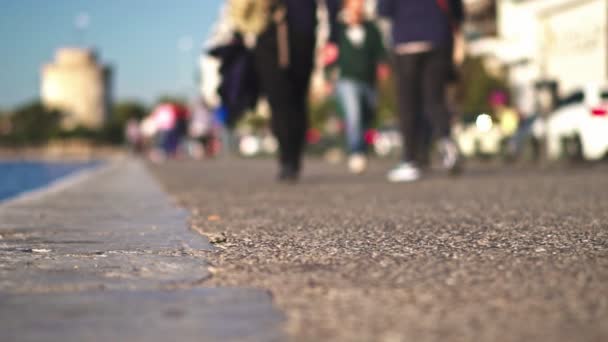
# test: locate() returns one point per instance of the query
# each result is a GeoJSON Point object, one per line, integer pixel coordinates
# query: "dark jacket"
{"type": "Point", "coordinates": [422, 20]}
{"type": "Point", "coordinates": [302, 15]}
{"type": "Point", "coordinates": [239, 87]}
{"type": "Point", "coordinates": [360, 62]}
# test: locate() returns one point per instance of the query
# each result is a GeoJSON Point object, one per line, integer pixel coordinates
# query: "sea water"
{"type": "Point", "coordinates": [17, 177]}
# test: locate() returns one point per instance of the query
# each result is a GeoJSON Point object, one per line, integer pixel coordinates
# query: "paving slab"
{"type": "Point", "coordinates": [192, 315]}
{"type": "Point", "coordinates": [116, 229]}
{"type": "Point", "coordinates": [108, 256]}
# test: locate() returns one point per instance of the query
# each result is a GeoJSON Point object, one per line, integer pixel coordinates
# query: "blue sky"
{"type": "Point", "coordinates": [138, 37]}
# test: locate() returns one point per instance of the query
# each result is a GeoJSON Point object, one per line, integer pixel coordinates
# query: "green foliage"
{"type": "Point", "coordinates": [322, 110]}
{"type": "Point", "coordinates": [477, 84]}
{"type": "Point", "coordinates": [172, 99]}
{"type": "Point", "coordinates": [32, 124]}
{"type": "Point", "coordinates": [80, 132]}
{"type": "Point", "coordinates": [113, 131]}
{"type": "Point", "coordinates": [387, 103]}
{"type": "Point", "coordinates": [254, 122]}
{"type": "Point", "coordinates": [123, 111]}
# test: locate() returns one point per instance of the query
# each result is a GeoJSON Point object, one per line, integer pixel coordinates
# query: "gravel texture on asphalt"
{"type": "Point", "coordinates": [498, 254]}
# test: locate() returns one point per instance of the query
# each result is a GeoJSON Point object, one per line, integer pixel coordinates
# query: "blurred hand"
{"type": "Point", "coordinates": [459, 48]}
{"type": "Point", "coordinates": [383, 72]}
{"type": "Point", "coordinates": [330, 54]}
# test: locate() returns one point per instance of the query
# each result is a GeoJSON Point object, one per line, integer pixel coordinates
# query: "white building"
{"type": "Point", "coordinates": [76, 84]}
{"type": "Point", "coordinates": [565, 41]}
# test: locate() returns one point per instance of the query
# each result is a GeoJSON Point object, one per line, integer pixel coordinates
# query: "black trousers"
{"type": "Point", "coordinates": [421, 85]}
{"type": "Point", "coordinates": [287, 90]}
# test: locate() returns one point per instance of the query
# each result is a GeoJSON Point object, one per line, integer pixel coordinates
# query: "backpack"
{"type": "Point", "coordinates": [252, 16]}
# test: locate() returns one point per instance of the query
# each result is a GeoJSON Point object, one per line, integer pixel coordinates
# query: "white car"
{"type": "Point", "coordinates": [582, 115]}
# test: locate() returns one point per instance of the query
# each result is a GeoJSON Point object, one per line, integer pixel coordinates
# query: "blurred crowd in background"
{"type": "Point", "coordinates": [352, 79]}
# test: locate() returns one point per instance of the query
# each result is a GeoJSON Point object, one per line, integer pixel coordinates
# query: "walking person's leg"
{"type": "Point", "coordinates": [279, 89]}
{"type": "Point", "coordinates": [350, 101]}
{"type": "Point", "coordinates": [369, 109]}
{"type": "Point", "coordinates": [407, 74]}
{"type": "Point", "coordinates": [423, 137]}
{"type": "Point", "coordinates": [302, 49]}
{"type": "Point", "coordinates": [435, 70]}
{"type": "Point", "coordinates": [408, 97]}
{"type": "Point", "coordinates": [351, 96]}
{"type": "Point", "coordinates": [369, 105]}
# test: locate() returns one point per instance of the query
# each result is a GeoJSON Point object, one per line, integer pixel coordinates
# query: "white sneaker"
{"type": "Point", "coordinates": [405, 172]}
{"type": "Point", "coordinates": [357, 163]}
{"type": "Point", "coordinates": [450, 155]}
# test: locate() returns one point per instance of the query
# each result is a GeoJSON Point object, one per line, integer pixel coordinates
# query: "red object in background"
{"type": "Point", "coordinates": [330, 54]}
{"type": "Point", "coordinates": [599, 111]}
{"type": "Point", "coordinates": [383, 72]}
{"type": "Point", "coordinates": [370, 136]}
{"type": "Point", "coordinates": [182, 112]}
{"type": "Point", "coordinates": [498, 98]}
{"type": "Point", "coordinates": [313, 136]}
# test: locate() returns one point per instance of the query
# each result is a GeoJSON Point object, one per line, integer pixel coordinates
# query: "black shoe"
{"type": "Point", "coordinates": [288, 174]}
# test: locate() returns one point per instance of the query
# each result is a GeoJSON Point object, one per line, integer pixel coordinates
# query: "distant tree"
{"type": "Point", "coordinates": [81, 132]}
{"type": "Point", "coordinates": [125, 110]}
{"type": "Point", "coordinates": [5, 126]}
{"type": "Point", "coordinates": [33, 124]}
{"type": "Point", "coordinates": [122, 112]}
{"type": "Point", "coordinates": [476, 87]}
{"type": "Point", "coordinates": [172, 99]}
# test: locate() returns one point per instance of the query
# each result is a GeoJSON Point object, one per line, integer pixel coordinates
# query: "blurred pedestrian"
{"type": "Point", "coordinates": [170, 120]}
{"type": "Point", "coordinates": [133, 136]}
{"type": "Point", "coordinates": [527, 106]}
{"type": "Point", "coordinates": [423, 44]}
{"type": "Point", "coordinates": [285, 39]}
{"type": "Point", "coordinates": [201, 130]}
{"type": "Point", "coordinates": [361, 60]}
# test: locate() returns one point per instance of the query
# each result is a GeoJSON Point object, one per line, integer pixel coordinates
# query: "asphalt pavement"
{"type": "Point", "coordinates": [516, 253]}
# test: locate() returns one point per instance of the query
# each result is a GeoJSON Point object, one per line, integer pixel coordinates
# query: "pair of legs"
{"type": "Point", "coordinates": [169, 141]}
{"type": "Point", "coordinates": [421, 84]}
{"type": "Point", "coordinates": [286, 89]}
{"type": "Point", "coordinates": [358, 101]}
{"type": "Point", "coordinates": [424, 140]}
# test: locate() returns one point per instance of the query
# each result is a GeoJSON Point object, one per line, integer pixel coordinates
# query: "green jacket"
{"type": "Point", "coordinates": [359, 63]}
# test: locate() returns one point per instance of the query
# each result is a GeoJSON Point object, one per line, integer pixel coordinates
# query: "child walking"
{"type": "Point", "coordinates": [361, 60]}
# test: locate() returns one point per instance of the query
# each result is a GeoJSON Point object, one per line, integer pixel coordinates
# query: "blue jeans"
{"type": "Point", "coordinates": [358, 102]}
{"type": "Point", "coordinates": [169, 141]}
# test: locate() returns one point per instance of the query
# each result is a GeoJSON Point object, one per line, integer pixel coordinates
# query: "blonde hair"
{"type": "Point", "coordinates": [368, 11]}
